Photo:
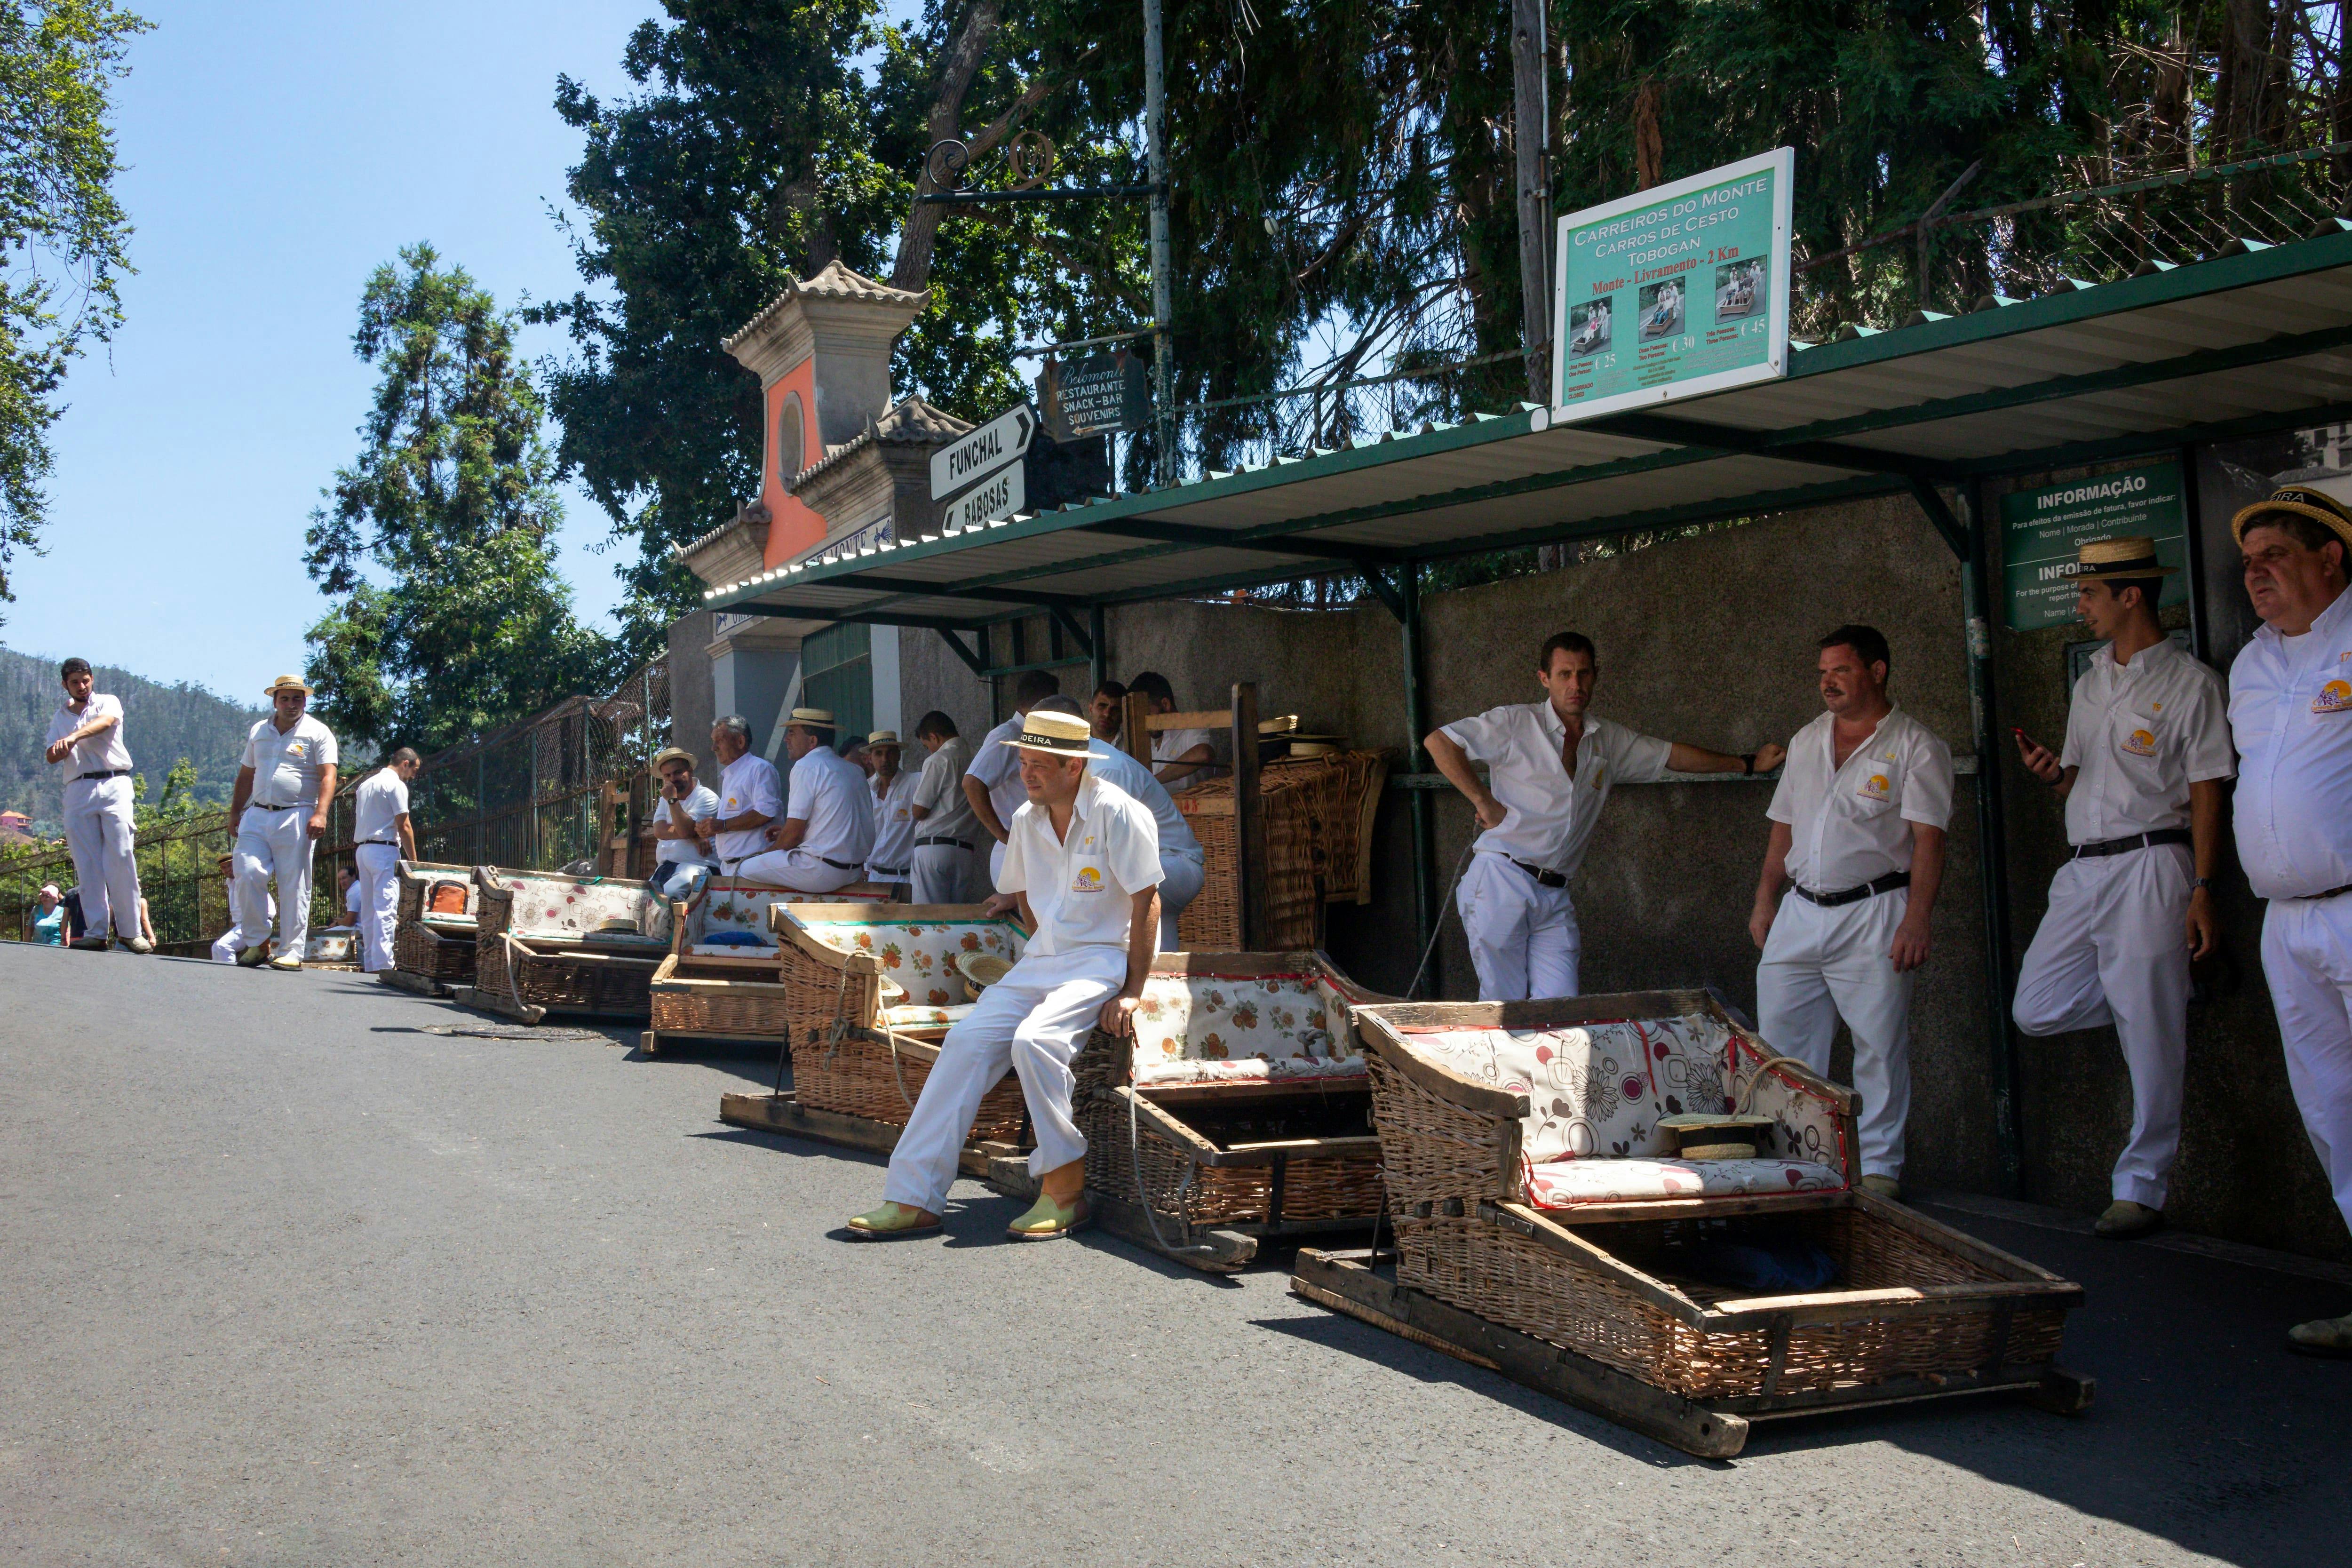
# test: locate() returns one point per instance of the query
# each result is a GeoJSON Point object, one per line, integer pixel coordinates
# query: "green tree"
{"type": "Point", "coordinates": [452, 503]}
{"type": "Point", "coordinates": [66, 237]}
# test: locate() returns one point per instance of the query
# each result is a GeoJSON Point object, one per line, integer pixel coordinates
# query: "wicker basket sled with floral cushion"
{"type": "Point", "coordinates": [723, 978]}
{"type": "Point", "coordinates": [433, 939]}
{"type": "Point", "coordinates": [1240, 1110]}
{"type": "Point", "coordinates": [869, 992]}
{"type": "Point", "coordinates": [1545, 1226]}
{"type": "Point", "coordinates": [550, 943]}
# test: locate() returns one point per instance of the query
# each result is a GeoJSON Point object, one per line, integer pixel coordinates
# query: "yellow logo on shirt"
{"type": "Point", "coordinates": [1089, 880]}
{"type": "Point", "coordinates": [2140, 743]}
{"type": "Point", "coordinates": [1875, 787]}
{"type": "Point", "coordinates": [2335, 697]}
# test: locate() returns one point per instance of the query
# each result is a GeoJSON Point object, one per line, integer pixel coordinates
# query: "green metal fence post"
{"type": "Point", "coordinates": [1425, 833]}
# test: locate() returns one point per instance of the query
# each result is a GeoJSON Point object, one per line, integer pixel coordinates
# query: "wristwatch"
{"type": "Point", "coordinates": [2202, 882]}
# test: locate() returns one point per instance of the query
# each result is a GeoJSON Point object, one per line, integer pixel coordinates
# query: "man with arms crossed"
{"type": "Point", "coordinates": [2291, 714]}
{"type": "Point", "coordinates": [1083, 864]}
{"type": "Point", "coordinates": [946, 835]}
{"type": "Point", "coordinates": [827, 833]}
{"type": "Point", "coordinates": [750, 797]}
{"type": "Point", "coordinates": [1550, 766]}
{"type": "Point", "coordinates": [86, 735]}
{"type": "Point", "coordinates": [892, 789]}
{"type": "Point", "coordinates": [1858, 835]}
{"type": "Point", "coordinates": [381, 840]}
{"type": "Point", "coordinates": [276, 817]}
{"type": "Point", "coordinates": [993, 782]}
{"type": "Point", "coordinates": [2143, 773]}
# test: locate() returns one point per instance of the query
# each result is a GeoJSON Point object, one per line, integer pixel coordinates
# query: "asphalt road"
{"type": "Point", "coordinates": [286, 1279]}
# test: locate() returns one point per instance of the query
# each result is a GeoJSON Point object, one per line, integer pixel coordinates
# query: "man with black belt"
{"type": "Point", "coordinates": [891, 859]}
{"type": "Point", "coordinates": [946, 860]}
{"type": "Point", "coordinates": [1858, 835]}
{"type": "Point", "coordinates": [828, 827]}
{"type": "Point", "coordinates": [276, 817]}
{"type": "Point", "coordinates": [382, 837]}
{"type": "Point", "coordinates": [86, 735]}
{"type": "Point", "coordinates": [1551, 767]}
{"type": "Point", "coordinates": [2143, 773]}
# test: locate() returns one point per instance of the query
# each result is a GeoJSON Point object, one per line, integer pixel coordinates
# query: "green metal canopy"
{"type": "Point", "coordinates": [2250, 339]}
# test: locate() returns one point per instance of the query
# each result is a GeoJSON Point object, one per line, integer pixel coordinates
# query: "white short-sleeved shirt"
{"type": "Point", "coordinates": [1550, 817]}
{"type": "Point", "coordinates": [352, 900]}
{"type": "Point", "coordinates": [894, 825]}
{"type": "Point", "coordinates": [2142, 733]}
{"type": "Point", "coordinates": [104, 753]}
{"type": "Point", "coordinates": [700, 805]}
{"type": "Point", "coordinates": [1080, 887]}
{"type": "Point", "coordinates": [376, 805]}
{"type": "Point", "coordinates": [750, 783]}
{"type": "Point", "coordinates": [286, 766]}
{"type": "Point", "coordinates": [1169, 744]}
{"type": "Point", "coordinates": [1133, 779]}
{"type": "Point", "coordinates": [2291, 713]}
{"type": "Point", "coordinates": [998, 769]}
{"type": "Point", "coordinates": [940, 792]}
{"type": "Point", "coordinates": [830, 793]}
{"type": "Point", "coordinates": [1851, 824]}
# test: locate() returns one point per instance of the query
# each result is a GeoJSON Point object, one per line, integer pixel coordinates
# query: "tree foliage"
{"type": "Point", "coordinates": [65, 236]}
{"type": "Point", "coordinates": [452, 505]}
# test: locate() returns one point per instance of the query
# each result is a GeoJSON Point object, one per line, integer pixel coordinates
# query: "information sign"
{"type": "Point", "coordinates": [1678, 290]}
{"type": "Point", "coordinates": [2041, 529]}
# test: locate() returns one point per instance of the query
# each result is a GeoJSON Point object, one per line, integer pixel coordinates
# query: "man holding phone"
{"type": "Point", "coordinates": [681, 864]}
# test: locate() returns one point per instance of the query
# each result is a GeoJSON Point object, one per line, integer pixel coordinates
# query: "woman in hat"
{"type": "Point", "coordinates": [276, 817]}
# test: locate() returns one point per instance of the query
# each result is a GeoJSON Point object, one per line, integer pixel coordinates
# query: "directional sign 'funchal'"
{"type": "Point", "coordinates": [1683, 289]}
{"type": "Point", "coordinates": [1000, 495]}
{"type": "Point", "coordinates": [1003, 440]}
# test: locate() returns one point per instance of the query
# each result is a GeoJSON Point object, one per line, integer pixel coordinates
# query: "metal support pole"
{"type": "Point", "coordinates": [1099, 652]}
{"type": "Point", "coordinates": [1425, 830]}
{"type": "Point", "coordinates": [1976, 571]}
{"type": "Point", "coordinates": [1155, 137]}
{"type": "Point", "coordinates": [1530, 122]}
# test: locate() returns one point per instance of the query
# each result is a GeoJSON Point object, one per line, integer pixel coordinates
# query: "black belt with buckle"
{"type": "Point", "coordinates": [2321, 898]}
{"type": "Point", "coordinates": [959, 843]}
{"type": "Point", "coordinates": [108, 774]}
{"type": "Point", "coordinates": [258, 805]}
{"type": "Point", "coordinates": [886, 871]}
{"type": "Point", "coordinates": [2135, 841]}
{"type": "Point", "coordinates": [841, 864]}
{"type": "Point", "coordinates": [1887, 884]}
{"type": "Point", "coordinates": [1543, 878]}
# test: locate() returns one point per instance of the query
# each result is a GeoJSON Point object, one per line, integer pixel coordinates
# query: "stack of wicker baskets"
{"type": "Point", "coordinates": [446, 957]}
{"type": "Point", "coordinates": [1319, 815]}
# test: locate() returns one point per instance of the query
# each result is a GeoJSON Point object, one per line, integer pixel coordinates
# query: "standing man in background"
{"type": "Point", "coordinates": [381, 840]}
{"type": "Point", "coordinates": [1183, 865]}
{"type": "Point", "coordinates": [993, 782]}
{"type": "Point", "coordinates": [276, 819]}
{"type": "Point", "coordinates": [750, 797]}
{"type": "Point", "coordinates": [946, 835]}
{"type": "Point", "coordinates": [1858, 835]}
{"type": "Point", "coordinates": [86, 735]}
{"type": "Point", "coordinates": [1180, 757]}
{"type": "Point", "coordinates": [827, 833]}
{"type": "Point", "coordinates": [1106, 710]}
{"type": "Point", "coordinates": [892, 857]}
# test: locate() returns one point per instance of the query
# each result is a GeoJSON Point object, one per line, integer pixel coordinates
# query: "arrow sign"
{"type": "Point", "coordinates": [1002, 440]}
{"type": "Point", "coordinates": [1000, 495]}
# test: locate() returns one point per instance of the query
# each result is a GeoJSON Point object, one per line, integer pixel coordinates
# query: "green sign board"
{"type": "Point", "coordinates": [1681, 290]}
{"type": "Point", "coordinates": [2040, 530]}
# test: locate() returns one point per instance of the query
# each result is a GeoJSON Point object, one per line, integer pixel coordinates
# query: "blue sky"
{"type": "Point", "coordinates": [277, 153]}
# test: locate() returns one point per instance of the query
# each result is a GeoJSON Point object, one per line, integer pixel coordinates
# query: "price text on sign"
{"type": "Point", "coordinates": [1681, 290]}
{"type": "Point", "coordinates": [999, 496]}
{"type": "Point", "coordinates": [1002, 440]}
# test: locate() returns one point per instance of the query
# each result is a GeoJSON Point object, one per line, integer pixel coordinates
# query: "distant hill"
{"type": "Point", "coordinates": [164, 723]}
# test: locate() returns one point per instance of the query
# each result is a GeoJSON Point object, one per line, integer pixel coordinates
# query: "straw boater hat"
{"type": "Point", "coordinates": [2303, 500]}
{"type": "Point", "coordinates": [286, 683]}
{"type": "Point", "coordinates": [882, 738]}
{"type": "Point", "coordinates": [672, 755]}
{"type": "Point", "coordinates": [1056, 734]}
{"type": "Point", "coordinates": [2124, 560]}
{"type": "Point", "coordinates": [812, 719]}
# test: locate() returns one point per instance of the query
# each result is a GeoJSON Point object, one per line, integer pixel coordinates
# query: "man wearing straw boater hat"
{"type": "Point", "coordinates": [1083, 862]}
{"type": "Point", "coordinates": [2291, 714]}
{"type": "Point", "coordinates": [892, 858]}
{"type": "Point", "coordinates": [827, 832]}
{"type": "Point", "coordinates": [2142, 771]}
{"type": "Point", "coordinates": [276, 817]}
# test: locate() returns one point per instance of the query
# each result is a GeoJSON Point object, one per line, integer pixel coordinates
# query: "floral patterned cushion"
{"type": "Point", "coordinates": [1564, 1183]}
{"type": "Point", "coordinates": [1214, 1023]}
{"type": "Point", "coordinates": [921, 955]}
{"type": "Point", "coordinates": [1248, 1069]}
{"type": "Point", "coordinates": [1808, 1126]}
{"type": "Point", "coordinates": [1594, 1089]}
{"type": "Point", "coordinates": [560, 907]}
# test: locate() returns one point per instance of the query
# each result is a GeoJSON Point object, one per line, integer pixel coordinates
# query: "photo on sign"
{"type": "Point", "coordinates": [1739, 289]}
{"type": "Point", "coordinates": [1588, 326]}
{"type": "Point", "coordinates": [1662, 310]}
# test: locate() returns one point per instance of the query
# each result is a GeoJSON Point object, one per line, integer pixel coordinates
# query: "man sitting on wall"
{"type": "Point", "coordinates": [1179, 757]}
{"type": "Point", "coordinates": [749, 796]}
{"type": "Point", "coordinates": [828, 833]}
{"type": "Point", "coordinates": [681, 863]}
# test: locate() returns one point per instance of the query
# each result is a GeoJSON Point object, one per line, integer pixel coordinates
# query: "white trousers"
{"type": "Point", "coordinates": [274, 843]}
{"type": "Point", "coordinates": [943, 874]}
{"type": "Point", "coordinates": [2307, 959]}
{"type": "Point", "coordinates": [100, 838]}
{"type": "Point", "coordinates": [1181, 877]}
{"type": "Point", "coordinates": [379, 871]}
{"type": "Point", "coordinates": [1821, 966]}
{"type": "Point", "coordinates": [1034, 1021]}
{"type": "Point", "coordinates": [1523, 936]}
{"type": "Point", "coordinates": [797, 870]}
{"type": "Point", "coordinates": [679, 879]}
{"type": "Point", "coordinates": [2114, 949]}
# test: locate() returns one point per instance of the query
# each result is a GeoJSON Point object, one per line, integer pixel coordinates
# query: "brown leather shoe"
{"type": "Point", "coordinates": [2330, 1337]}
{"type": "Point", "coordinates": [2125, 1219]}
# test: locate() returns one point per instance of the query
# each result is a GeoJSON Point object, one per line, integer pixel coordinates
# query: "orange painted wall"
{"type": "Point", "coordinates": [797, 527]}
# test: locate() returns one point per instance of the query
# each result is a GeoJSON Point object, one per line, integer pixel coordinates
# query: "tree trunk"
{"type": "Point", "coordinates": [920, 238]}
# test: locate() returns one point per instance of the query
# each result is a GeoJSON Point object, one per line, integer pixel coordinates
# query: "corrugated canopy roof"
{"type": "Point", "coordinates": [2245, 342]}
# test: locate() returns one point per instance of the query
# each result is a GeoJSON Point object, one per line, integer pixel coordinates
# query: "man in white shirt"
{"type": "Point", "coordinates": [1858, 826]}
{"type": "Point", "coordinates": [893, 788]}
{"type": "Point", "coordinates": [750, 798]}
{"type": "Point", "coordinates": [382, 837]}
{"type": "Point", "coordinates": [1083, 865]}
{"type": "Point", "coordinates": [681, 864]}
{"type": "Point", "coordinates": [993, 782]}
{"type": "Point", "coordinates": [1550, 766]}
{"type": "Point", "coordinates": [945, 856]}
{"type": "Point", "coordinates": [86, 736]}
{"type": "Point", "coordinates": [1179, 758]}
{"type": "Point", "coordinates": [225, 944]}
{"type": "Point", "coordinates": [2142, 771]}
{"type": "Point", "coordinates": [347, 894]}
{"type": "Point", "coordinates": [2291, 715]}
{"type": "Point", "coordinates": [276, 817]}
{"type": "Point", "coordinates": [828, 828]}
{"type": "Point", "coordinates": [1183, 865]}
